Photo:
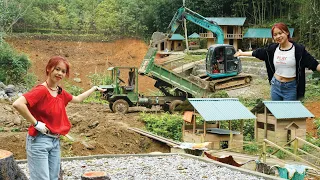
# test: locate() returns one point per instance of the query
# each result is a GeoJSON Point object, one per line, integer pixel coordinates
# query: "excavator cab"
{"type": "Point", "coordinates": [220, 61]}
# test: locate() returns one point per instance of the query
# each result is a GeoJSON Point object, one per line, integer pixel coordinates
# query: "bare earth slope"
{"type": "Point", "coordinates": [86, 58]}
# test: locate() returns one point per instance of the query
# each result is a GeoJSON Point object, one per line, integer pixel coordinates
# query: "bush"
{"type": "Point", "coordinates": [72, 89]}
{"type": "Point", "coordinates": [29, 80]}
{"type": "Point", "coordinates": [100, 79]}
{"type": "Point", "coordinates": [96, 79]}
{"type": "Point", "coordinates": [203, 43]}
{"type": "Point", "coordinates": [13, 66]}
{"type": "Point", "coordinates": [165, 125]}
{"type": "Point", "coordinates": [317, 122]}
{"type": "Point", "coordinates": [252, 148]}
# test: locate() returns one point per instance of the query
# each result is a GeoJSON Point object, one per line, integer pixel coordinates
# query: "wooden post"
{"type": "Point", "coordinates": [9, 169]}
{"type": "Point", "coordinates": [230, 129]}
{"type": "Point", "coordinates": [264, 153]}
{"type": "Point", "coordinates": [204, 128]}
{"type": "Point", "coordinates": [183, 129]}
{"type": "Point", "coordinates": [295, 148]}
{"type": "Point", "coordinates": [95, 175]}
{"type": "Point", "coordinates": [256, 127]}
{"type": "Point", "coordinates": [193, 124]}
{"type": "Point", "coordinates": [266, 123]}
{"type": "Point", "coordinates": [241, 127]}
{"type": "Point", "coordinates": [231, 139]}
{"type": "Point", "coordinates": [185, 30]}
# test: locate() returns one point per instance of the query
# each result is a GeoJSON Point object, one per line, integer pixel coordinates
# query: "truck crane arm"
{"type": "Point", "coordinates": [196, 18]}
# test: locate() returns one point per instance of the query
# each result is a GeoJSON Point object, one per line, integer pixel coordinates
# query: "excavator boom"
{"type": "Point", "coordinates": [197, 19]}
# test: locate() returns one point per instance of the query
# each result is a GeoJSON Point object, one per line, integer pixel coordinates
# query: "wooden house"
{"type": "Point", "coordinates": [280, 121]}
{"type": "Point", "coordinates": [166, 44]}
{"type": "Point", "coordinates": [232, 28]}
{"type": "Point", "coordinates": [175, 43]}
{"type": "Point", "coordinates": [214, 111]}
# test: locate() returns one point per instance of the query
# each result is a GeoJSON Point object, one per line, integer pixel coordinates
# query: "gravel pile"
{"type": "Point", "coordinates": [169, 167]}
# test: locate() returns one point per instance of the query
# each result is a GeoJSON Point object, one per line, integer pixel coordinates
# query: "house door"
{"type": "Point", "coordinates": [291, 134]}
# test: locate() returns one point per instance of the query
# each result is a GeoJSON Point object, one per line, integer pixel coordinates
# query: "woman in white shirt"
{"type": "Point", "coordinates": [285, 62]}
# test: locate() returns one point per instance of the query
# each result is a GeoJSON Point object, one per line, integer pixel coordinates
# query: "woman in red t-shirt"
{"type": "Point", "coordinates": [44, 107]}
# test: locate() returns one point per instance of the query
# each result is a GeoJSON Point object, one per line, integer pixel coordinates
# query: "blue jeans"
{"type": "Point", "coordinates": [43, 155]}
{"type": "Point", "coordinates": [283, 91]}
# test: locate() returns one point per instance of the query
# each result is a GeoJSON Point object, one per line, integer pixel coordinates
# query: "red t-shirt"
{"type": "Point", "coordinates": [49, 110]}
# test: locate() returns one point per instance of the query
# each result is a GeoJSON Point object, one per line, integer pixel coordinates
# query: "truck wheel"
{"type": "Point", "coordinates": [174, 104]}
{"type": "Point", "coordinates": [120, 106]}
{"type": "Point", "coordinates": [165, 107]}
{"type": "Point", "coordinates": [110, 106]}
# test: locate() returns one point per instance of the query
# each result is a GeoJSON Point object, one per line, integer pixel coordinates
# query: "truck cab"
{"type": "Point", "coordinates": [123, 92]}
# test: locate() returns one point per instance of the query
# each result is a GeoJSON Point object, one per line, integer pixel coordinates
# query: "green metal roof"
{"type": "Point", "coordinates": [228, 21]}
{"type": "Point", "coordinates": [261, 33]}
{"type": "Point", "coordinates": [284, 109]}
{"type": "Point", "coordinates": [221, 109]}
{"type": "Point", "coordinates": [176, 37]}
{"type": "Point", "coordinates": [194, 36]}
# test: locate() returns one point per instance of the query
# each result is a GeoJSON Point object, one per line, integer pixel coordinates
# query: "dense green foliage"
{"type": "Point", "coordinates": [165, 125]}
{"type": "Point", "coordinates": [13, 66]}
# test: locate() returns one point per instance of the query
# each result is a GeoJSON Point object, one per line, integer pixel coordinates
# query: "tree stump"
{"type": "Point", "coordinates": [9, 169]}
{"type": "Point", "coordinates": [95, 175]}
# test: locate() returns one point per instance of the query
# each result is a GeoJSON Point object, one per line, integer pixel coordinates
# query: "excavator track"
{"type": "Point", "coordinates": [228, 83]}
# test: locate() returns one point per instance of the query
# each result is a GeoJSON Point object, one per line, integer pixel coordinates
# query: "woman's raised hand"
{"type": "Point", "coordinates": [238, 53]}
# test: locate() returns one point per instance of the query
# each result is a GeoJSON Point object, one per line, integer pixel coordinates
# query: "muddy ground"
{"type": "Point", "coordinates": [95, 129]}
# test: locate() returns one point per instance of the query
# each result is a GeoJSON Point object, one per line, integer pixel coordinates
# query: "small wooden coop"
{"type": "Point", "coordinates": [214, 111]}
{"type": "Point", "coordinates": [280, 121]}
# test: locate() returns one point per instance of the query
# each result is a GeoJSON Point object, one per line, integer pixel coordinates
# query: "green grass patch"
{"type": "Point", "coordinates": [193, 58]}
{"type": "Point", "coordinates": [164, 124]}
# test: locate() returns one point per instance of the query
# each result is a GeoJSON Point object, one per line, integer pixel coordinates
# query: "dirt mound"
{"type": "Point", "coordinates": [86, 58]}
{"type": "Point", "coordinates": [95, 129]}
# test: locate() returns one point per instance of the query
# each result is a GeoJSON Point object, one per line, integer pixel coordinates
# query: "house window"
{"type": "Point", "coordinates": [231, 41]}
{"type": "Point", "coordinates": [162, 46]}
{"type": "Point", "coordinates": [224, 144]}
{"type": "Point", "coordinates": [260, 125]}
{"type": "Point", "coordinates": [270, 127]}
{"type": "Point", "coordinates": [179, 44]}
{"type": "Point", "coordinates": [230, 30]}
